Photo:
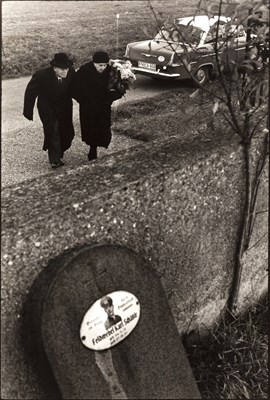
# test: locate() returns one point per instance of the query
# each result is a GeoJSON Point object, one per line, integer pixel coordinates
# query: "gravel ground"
{"type": "Point", "coordinates": [23, 157]}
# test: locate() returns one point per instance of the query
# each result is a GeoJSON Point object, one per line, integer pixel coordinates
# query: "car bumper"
{"type": "Point", "coordinates": [157, 73]}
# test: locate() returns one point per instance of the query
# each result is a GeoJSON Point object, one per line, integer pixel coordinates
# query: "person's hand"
{"type": "Point", "coordinates": [29, 117]}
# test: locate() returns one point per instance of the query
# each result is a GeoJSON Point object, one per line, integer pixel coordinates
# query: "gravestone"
{"type": "Point", "coordinates": [104, 329]}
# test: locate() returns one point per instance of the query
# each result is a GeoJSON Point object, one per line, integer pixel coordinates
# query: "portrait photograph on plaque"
{"type": "Point", "coordinates": [109, 320]}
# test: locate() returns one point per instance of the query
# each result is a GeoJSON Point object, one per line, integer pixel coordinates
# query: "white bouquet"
{"type": "Point", "coordinates": [121, 76]}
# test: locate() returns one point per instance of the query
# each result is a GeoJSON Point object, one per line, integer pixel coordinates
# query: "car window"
{"type": "Point", "coordinates": [237, 31]}
{"type": "Point", "coordinates": [189, 34]}
{"type": "Point", "coordinates": [181, 33]}
{"type": "Point", "coordinates": [216, 32]}
{"type": "Point", "coordinates": [225, 31]}
{"type": "Point", "coordinates": [163, 34]}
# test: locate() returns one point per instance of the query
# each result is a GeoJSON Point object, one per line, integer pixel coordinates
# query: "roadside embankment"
{"type": "Point", "coordinates": [177, 205]}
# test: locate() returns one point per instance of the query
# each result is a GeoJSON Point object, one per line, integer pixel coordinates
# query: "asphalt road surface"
{"type": "Point", "coordinates": [22, 140]}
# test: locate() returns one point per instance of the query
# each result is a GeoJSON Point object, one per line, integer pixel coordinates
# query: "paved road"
{"type": "Point", "coordinates": [22, 155]}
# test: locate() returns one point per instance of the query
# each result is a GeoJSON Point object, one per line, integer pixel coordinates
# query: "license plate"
{"type": "Point", "coordinates": [147, 65]}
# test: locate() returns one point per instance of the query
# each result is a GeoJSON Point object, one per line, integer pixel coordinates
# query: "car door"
{"type": "Point", "coordinates": [211, 42]}
{"type": "Point", "coordinates": [236, 38]}
{"type": "Point", "coordinates": [229, 41]}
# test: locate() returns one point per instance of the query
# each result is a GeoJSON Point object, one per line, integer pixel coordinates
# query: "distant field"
{"type": "Point", "coordinates": [32, 31]}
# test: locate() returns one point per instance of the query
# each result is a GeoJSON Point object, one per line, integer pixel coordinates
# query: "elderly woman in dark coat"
{"type": "Point", "coordinates": [52, 88]}
{"type": "Point", "coordinates": [91, 90]}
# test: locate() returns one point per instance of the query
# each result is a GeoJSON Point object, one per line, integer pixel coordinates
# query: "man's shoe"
{"type": "Point", "coordinates": [57, 165]}
{"type": "Point", "coordinates": [62, 162]}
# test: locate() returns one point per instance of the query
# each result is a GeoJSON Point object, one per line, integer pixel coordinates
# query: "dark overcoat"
{"type": "Point", "coordinates": [54, 102]}
{"type": "Point", "coordinates": [91, 91]}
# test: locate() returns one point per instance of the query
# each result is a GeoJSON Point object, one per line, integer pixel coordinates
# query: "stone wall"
{"type": "Point", "coordinates": [179, 206]}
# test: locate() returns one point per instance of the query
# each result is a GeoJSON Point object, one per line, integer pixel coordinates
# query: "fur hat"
{"type": "Point", "coordinates": [61, 60]}
{"type": "Point", "coordinates": [101, 57]}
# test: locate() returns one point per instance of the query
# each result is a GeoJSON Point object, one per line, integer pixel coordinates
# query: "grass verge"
{"type": "Point", "coordinates": [32, 31]}
{"type": "Point", "coordinates": [173, 113]}
{"type": "Point", "coordinates": [231, 362]}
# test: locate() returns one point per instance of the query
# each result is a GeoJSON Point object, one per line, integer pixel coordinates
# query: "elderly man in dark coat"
{"type": "Point", "coordinates": [91, 90]}
{"type": "Point", "coordinates": [52, 88]}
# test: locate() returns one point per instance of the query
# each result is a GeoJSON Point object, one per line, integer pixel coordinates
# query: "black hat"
{"type": "Point", "coordinates": [101, 57]}
{"type": "Point", "coordinates": [106, 301]}
{"type": "Point", "coordinates": [61, 60]}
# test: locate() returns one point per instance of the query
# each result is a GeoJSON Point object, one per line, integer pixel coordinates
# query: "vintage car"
{"type": "Point", "coordinates": [186, 50]}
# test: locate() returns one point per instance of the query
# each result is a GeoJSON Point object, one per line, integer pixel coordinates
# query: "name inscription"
{"type": "Point", "coordinates": [109, 320]}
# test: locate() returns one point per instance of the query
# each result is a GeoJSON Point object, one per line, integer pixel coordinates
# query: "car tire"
{"type": "Point", "coordinates": [201, 76]}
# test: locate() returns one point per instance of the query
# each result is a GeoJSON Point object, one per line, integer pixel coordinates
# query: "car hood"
{"type": "Point", "coordinates": [150, 50]}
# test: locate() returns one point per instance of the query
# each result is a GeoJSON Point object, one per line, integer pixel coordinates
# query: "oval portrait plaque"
{"type": "Point", "coordinates": [109, 320]}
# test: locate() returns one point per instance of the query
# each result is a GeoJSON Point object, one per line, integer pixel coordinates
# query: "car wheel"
{"type": "Point", "coordinates": [202, 75]}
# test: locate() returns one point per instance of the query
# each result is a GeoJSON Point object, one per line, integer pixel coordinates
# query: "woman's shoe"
{"type": "Point", "coordinates": [92, 155]}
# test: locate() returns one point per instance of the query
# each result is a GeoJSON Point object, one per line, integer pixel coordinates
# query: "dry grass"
{"type": "Point", "coordinates": [173, 113]}
{"type": "Point", "coordinates": [32, 31]}
{"type": "Point", "coordinates": [232, 361]}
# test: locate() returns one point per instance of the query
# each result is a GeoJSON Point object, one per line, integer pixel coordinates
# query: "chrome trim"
{"type": "Point", "coordinates": [212, 54]}
{"type": "Point", "coordinates": [148, 55]}
{"type": "Point", "coordinates": [206, 65]}
{"type": "Point", "coordinates": [155, 72]}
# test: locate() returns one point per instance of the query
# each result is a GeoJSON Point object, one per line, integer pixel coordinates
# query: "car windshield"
{"type": "Point", "coordinates": [181, 33]}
